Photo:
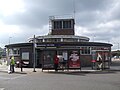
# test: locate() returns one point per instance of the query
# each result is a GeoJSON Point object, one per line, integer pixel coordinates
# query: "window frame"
{"type": "Point", "coordinates": [85, 50]}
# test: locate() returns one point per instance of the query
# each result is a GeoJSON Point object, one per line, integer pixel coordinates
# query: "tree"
{"type": "Point", "coordinates": [1, 52]}
{"type": "Point", "coordinates": [116, 53]}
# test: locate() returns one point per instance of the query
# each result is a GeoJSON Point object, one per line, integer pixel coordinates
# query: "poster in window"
{"type": "Point", "coordinates": [106, 56]}
{"type": "Point", "coordinates": [74, 60]}
{"type": "Point", "coordinates": [93, 56]}
{"type": "Point", "coordinates": [25, 55]}
{"type": "Point", "coordinates": [48, 60]}
{"type": "Point", "coordinates": [103, 59]}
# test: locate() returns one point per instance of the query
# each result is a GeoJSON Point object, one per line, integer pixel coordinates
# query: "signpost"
{"type": "Point", "coordinates": [34, 54]}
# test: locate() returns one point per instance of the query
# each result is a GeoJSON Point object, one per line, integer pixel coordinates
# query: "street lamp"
{"type": "Point", "coordinates": [93, 37]}
{"type": "Point", "coordinates": [34, 55]}
{"type": "Point", "coordinates": [118, 46]}
{"type": "Point", "coordinates": [9, 39]}
{"type": "Point", "coordinates": [8, 51]}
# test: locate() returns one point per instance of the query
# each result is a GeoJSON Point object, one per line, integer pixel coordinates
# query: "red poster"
{"type": "Point", "coordinates": [74, 61]}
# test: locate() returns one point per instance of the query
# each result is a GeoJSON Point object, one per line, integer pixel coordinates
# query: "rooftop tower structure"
{"type": "Point", "coordinates": [61, 26]}
{"type": "Point", "coordinates": [61, 29]}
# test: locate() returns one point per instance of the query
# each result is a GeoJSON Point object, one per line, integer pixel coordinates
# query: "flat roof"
{"type": "Point", "coordinates": [62, 44]}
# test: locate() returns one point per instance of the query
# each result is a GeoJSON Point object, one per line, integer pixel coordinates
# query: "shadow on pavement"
{"type": "Point", "coordinates": [83, 73]}
{"type": "Point", "coordinates": [67, 73]}
{"type": "Point", "coordinates": [14, 72]}
{"type": "Point", "coordinates": [19, 73]}
{"type": "Point", "coordinates": [4, 71]}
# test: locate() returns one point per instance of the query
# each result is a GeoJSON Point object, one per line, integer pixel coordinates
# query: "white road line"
{"type": "Point", "coordinates": [2, 88]}
{"type": "Point", "coordinates": [15, 77]}
{"type": "Point", "coordinates": [4, 78]}
{"type": "Point", "coordinates": [18, 76]}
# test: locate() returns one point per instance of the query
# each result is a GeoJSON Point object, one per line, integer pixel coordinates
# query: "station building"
{"type": "Point", "coordinates": [77, 51]}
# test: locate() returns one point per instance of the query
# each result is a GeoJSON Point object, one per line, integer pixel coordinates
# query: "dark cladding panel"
{"type": "Point", "coordinates": [63, 32]}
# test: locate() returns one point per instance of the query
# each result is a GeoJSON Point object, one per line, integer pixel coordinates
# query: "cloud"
{"type": "Point", "coordinates": [114, 13]}
{"type": "Point", "coordinates": [8, 7]}
{"type": "Point", "coordinates": [37, 12]}
{"type": "Point", "coordinates": [98, 19]}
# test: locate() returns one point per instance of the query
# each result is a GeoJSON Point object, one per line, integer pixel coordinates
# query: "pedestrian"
{"type": "Point", "coordinates": [9, 65]}
{"type": "Point", "coordinates": [12, 64]}
{"type": "Point", "coordinates": [21, 65]}
{"type": "Point", "coordinates": [56, 62]}
{"type": "Point", "coordinates": [99, 62]}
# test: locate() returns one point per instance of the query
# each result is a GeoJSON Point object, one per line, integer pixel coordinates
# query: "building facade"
{"type": "Point", "coordinates": [76, 51]}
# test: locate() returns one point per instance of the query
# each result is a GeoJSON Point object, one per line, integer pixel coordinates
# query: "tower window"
{"type": "Point", "coordinates": [57, 24]}
{"type": "Point", "coordinates": [63, 24]}
{"type": "Point", "coordinates": [67, 24]}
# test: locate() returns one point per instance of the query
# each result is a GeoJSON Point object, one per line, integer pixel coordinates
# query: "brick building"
{"type": "Point", "coordinates": [77, 51]}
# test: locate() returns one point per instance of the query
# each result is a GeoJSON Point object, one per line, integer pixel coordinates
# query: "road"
{"type": "Point", "coordinates": [75, 80]}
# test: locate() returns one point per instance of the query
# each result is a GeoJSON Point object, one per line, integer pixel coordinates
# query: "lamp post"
{"type": "Point", "coordinates": [34, 54]}
{"type": "Point", "coordinates": [118, 46]}
{"type": "Point", "coordinates": [9, 39]}
{"type": "Point", "coordinates": [8, 51]}
{"type": "Point", "coordinates": [94, 37]}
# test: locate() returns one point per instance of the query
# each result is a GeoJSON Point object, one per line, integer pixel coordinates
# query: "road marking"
{"type": "Point", "coordinates": [3, 78]}
{"type": "Point", "coordinates": [9, 78]}
{"type": "Point", "coordinates": [2, 88]}
{"type": "Point", "coordinates": [18, 76]}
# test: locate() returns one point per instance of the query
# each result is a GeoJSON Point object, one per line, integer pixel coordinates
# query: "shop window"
{"type": "Point", "coordinates": [62, 55]}
{"type": "Point", "coordinates": [25, 55]}
{"type": "Point", "coordinates": [16, 51]}
{"type": "Point", "coordinates": [10, 52]}
{"type": "Point", "coordinates": [85, 50]}
{"type": "Point", "coordinates": [57, 40]}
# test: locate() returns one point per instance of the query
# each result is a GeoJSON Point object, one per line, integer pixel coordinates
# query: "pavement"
{"type": "Point", "coordinates": [115, 66]}
{"type": "Point", "coordinates": [4, 68]}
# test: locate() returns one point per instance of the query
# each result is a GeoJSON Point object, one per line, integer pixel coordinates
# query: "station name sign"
{"type": "Point", "coordinates": [46, 46]}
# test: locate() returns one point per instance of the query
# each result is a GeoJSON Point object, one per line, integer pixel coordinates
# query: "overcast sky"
{"type": "Point", "coordinates": [97, 19]}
